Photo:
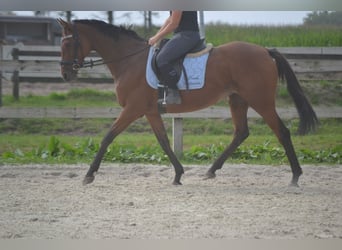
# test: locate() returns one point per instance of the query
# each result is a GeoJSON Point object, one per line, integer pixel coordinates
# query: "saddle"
{"type": "Point", "coordinates": [177, 65]}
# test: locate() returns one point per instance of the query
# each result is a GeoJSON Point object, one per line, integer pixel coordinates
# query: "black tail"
{"type": "Point", "coordinates": [307, 116]}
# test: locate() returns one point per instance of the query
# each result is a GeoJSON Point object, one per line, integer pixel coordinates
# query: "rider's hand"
{"type": "Point", "coordinates": [153, 40]}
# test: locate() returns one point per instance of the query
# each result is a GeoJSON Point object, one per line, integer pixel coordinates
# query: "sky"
{"type": "Point", "coordinates": [256, 17]}
{"type": "Point", "coordinates": [230, 17]}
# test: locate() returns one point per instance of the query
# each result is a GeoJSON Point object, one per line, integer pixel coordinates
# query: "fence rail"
{"type": "Point", "coordinates": [43, 62]}
{"type": "Point", "coordinates": [39, 62]}
{"type": "Point", "coordinates": [211, 112]}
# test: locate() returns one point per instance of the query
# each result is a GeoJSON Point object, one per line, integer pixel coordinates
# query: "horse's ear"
{"type": "Point", "coordinates": [65, 25]}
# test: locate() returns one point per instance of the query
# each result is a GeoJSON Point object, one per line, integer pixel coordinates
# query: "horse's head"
{"type": "Point", "coordinates": [73, 50]}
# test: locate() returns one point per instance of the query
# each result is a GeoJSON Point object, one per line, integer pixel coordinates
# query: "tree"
{"type": "Point", "coordinates": [68, 15]}
{"type": "Point", "coordinates": [41, 13]}
{"type": "Point", "coordinates": [324, 18]}
{"type": "Point", "coordinates": [148, 24]}
{"type": "Point", "coordinates": [110, 16]}
{"type": "Point", "coordinates": [147, 21]}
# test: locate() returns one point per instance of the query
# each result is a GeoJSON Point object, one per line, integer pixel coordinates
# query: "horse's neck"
{"type": "Point", "coordinates": [118, 53]}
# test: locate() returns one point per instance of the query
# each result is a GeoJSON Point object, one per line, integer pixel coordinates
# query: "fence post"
{"type": "Point", "coordinates": [15, 80]}
{"type": "Point", "coordinates": [177, 130]}
{"type": "Point", "coordinates": [0, 88]}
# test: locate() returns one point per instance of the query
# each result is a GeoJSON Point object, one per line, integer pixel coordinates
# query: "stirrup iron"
{"type": "Point", "coordinates": [162, 94]}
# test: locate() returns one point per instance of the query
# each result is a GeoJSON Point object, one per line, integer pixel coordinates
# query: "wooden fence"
{"type": "Point", "coordinates": [41, 63]}
{"type": "Point", "coordinates": [32, 63]}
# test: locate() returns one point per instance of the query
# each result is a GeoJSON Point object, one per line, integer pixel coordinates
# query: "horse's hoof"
{"type": "Point", "coordinates": [294, 188]}
{"type": "Point", "coordinates": [88, 180]}
{"type": "Point", "coordinates": [294, 184]}
{"type": "Point", "coordinates": [176, 183]}
{"type": "Point", "coordinates": [209, 175]}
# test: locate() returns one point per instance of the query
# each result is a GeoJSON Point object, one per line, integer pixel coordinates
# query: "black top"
{"type": "Point", "coordinates": [188, 22]}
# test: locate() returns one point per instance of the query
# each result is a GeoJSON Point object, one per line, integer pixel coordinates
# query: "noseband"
{"type": "Point", "coordinates": [76, 65]}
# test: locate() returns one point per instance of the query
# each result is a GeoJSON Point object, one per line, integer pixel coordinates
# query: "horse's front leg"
{"type": "Point", "coordinates": [125, 118]}
{"type": "Point", "coordinates": [159, 130]}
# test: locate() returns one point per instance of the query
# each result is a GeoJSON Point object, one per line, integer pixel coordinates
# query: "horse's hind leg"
{"type": "Point", "coordinates": [283, 134]}
{"type": "Point", "coordinates": [238, 109]}
{"type": "Point", "coordinates": [285, 139]}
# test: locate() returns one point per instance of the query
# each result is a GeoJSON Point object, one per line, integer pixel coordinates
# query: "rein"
{"type": "Point", "coordinates": [76, 65]}
{"type": "Point", "coordinates": [92, 63]}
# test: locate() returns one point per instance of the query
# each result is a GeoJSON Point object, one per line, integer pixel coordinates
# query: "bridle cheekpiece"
{"type": "Point", "coordinates": [76, 65]}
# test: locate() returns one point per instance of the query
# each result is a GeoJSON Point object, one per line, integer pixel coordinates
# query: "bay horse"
{"type": "Point", "coordinates": [246, 74]}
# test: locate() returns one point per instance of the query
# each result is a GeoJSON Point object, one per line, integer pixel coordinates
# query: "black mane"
{"type": "Point", "coordinates": [110, 30]}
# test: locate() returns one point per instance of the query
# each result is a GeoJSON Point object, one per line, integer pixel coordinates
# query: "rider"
{"type": "Point", "coordinates": [186, 36]}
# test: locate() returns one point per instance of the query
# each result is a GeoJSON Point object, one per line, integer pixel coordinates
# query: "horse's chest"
{"type": "Point", "coordinates": [122, 93]}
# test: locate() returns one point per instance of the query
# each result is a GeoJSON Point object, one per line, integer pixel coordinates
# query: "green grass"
{"type": "Point", "coordinates": [73, 98]}
{"type": "Point", "coordinates": [270, 36]}
{"type": "Point", "coordinates": [276, 36]}
{"type": "Point", "coordinates": [200, 146]}
{"type": "Point", "coordinates": [319, 92]}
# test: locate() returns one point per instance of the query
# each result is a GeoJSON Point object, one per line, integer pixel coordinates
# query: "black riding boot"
{"type": "Point", "coordinates": [169, 79]}
{"type": "Point", "coordinates": [167, 96]}
{"type": "Point", "coordinates": [173, 96]}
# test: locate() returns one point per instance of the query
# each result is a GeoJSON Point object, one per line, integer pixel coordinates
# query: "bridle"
{"type": "Point", "coordinates": [76, 65]}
